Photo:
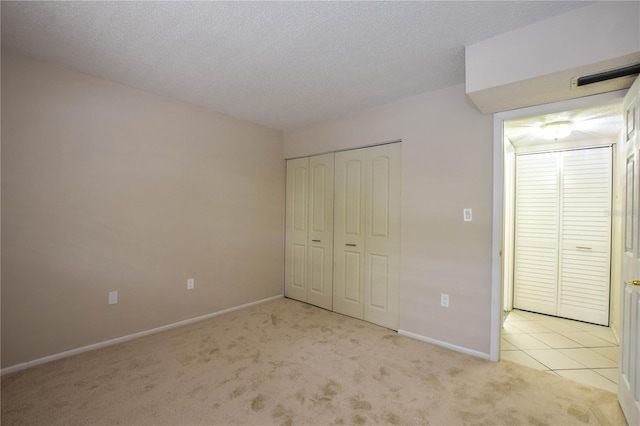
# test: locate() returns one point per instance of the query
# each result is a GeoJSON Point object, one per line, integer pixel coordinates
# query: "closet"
{"type": "Point", "coordinates": [563, 233]}
{"type": "Point", "coordinates": [343, 232]}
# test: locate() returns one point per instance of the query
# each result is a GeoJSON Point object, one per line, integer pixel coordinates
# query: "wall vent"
{"type": "Point", "coordinates": [626, 71]}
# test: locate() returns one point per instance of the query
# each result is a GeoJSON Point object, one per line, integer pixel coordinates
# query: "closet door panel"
{"type": "Point", "coordinates": [354, 196]}
{"type": "Point", "coordinates": [352, 278]}
{"type": "Point", "coordinates": [536, 233]}
{"type": "Point", "coordinates": [349, 241]}
{"type": "Point", "coordinates": [318, 285]}
{"type": "Point", "coordinates": [584, 277]}
{"type": "Point", "coordinates": [299, 266]}
{"type": "Point", "coordinates": [382, 235]}
{"type": "Point", "coordinates": [379, 282]}
{"type": "Point", "coordinates": [296, 235]}
{"type": "Point", "coordinates": [321, 181]}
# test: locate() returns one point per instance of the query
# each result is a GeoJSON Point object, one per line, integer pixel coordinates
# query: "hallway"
{"type": "Point", "coordinates": [583, 352]}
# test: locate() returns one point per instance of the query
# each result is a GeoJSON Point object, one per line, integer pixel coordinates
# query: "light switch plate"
{"type": "Point", "coordinates": [113, 297]}
{"type": "Point", "coordinates": [467, 213]}
{"type": "Point", "coordinates": [444, 300]}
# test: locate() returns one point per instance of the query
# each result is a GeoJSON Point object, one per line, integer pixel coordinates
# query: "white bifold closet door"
{"type": "Point", "coordinates": [535, 278]}
{"type": "Point", "coordinates": [309, 230]}
{"type": "Point", "coordinates": [563, 234]}
{"type": "Point", "coordinates": [367, 234]}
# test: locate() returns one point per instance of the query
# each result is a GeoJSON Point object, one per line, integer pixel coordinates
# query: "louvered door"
{"type": "Point", "coordinates": [536, 233]}
{"type": "Point", "coordinates": [585, 242]}
{"type": "Point", "coordinates": [563, 234]}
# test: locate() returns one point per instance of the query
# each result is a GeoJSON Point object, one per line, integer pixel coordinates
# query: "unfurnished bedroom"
{"type": "Point", "coordinates": [260, 213]}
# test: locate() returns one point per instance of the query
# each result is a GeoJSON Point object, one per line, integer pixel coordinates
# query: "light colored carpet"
{"type": "Point", "coordinates": [286, 362]}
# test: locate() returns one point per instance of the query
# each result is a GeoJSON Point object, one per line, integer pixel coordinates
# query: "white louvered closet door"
{"type": "Point", "coordinates": [563, 234]}
{"type": "Point", "coordinates": [584, 274]}
{"type": "Point", "coordinates": [536, 233]}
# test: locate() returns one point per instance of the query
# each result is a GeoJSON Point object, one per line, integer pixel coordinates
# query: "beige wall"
{"type": "Point", "coordinates": [534, 64]}
{"type": "Point", "coordinates": [598, 32]}
{"type": "Point", "coordinates": [447, 155]}
{"type": "Point", "coordinates": [105, 187]}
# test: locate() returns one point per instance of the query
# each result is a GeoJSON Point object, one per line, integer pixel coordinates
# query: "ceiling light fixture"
{"type": "Point", "coordinates": [556, 130]}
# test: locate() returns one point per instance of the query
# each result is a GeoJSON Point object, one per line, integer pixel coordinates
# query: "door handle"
{"type": "Point", "coordinates": [583, 248]}
{"type": "Point", "coordinates": [634, 283]}
{"type": "Point", "coordinates": [350, 245]}
{"type": "Point", "coordinates": [316, 241]}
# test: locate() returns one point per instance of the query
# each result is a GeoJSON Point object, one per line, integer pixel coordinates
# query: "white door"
{"type": "Point", "coordinates": [563, 234]}
{"type": "Point", "coordinates": [367, 234]}
{"type": "Point", "coordinates": [584, 274]}
{"type": "Point", "coordinates": [382, 235]}
{"type": "Point", "coordinates": [629, 368]}
{"type": "Point", "coordinates": [348, 273]}
{"type": "Point", "coordinates": [309, 230]}
{"type": "Point", "coordinates": [536, 233]}
{"type": "Point", "coordinates": [297, 229]}
{"type": "Point", "coordinates": [320, 259]}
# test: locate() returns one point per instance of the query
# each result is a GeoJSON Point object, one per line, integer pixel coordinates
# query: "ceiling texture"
{"type": "Point", "coordinates": [279, 64]}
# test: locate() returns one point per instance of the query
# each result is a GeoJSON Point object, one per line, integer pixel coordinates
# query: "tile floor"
{"type": "Point", "coordinates": [586, 353]}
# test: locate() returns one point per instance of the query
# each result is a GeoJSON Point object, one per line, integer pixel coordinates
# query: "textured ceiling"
{"type": "Point", "coordinates": [281, 64]}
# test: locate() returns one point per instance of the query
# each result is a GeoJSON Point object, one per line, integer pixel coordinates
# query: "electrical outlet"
{"type": "Point", "coordinates": [444, 300]}
{"type": "Point", "coordinates": [191, 283]}
{"type": "Point", "coordinates": [113, 297]}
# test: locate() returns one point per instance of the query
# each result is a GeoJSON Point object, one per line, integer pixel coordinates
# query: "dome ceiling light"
{"type": "Point", "coordinates": [556, 130]}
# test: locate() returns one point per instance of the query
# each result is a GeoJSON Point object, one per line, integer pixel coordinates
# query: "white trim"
{"type": "Point", "coordinates": [133, 336]}
{"type": "Point", "coordinates": [615, 334]}
{"type": "Point", "coordinates": [444, 344]}
{"type": "Point", "coordinates": [498, 188]}
{"type": "Point", "coordinates": [496, 240]}
{"type": "Point", "coordinates": [352, 148]}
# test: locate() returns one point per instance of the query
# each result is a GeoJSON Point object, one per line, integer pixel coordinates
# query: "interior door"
{"type": "Point", "coordinates": [367, 234]}
{"type": "Point", "coordinates": [297, 224]}
{"type": "Point", "coordinates": [382, 235]}
{"type": "Point", "coordinates": [348, 278]}
{"type": "Point", "coordinates": [320, 258]}
{"type": "Point", "coordinates": [584, 274]}
{"type": "Point", "coordinates": [536, 232]}
{"type": "Point", "coordinates": [563, 233]}
{"type": "Point", "coordinates": [629, 368]}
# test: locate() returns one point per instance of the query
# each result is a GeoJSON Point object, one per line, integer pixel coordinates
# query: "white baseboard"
{"type": "Point", "coordinates": [615, 334]}
{"type": "Point", "coordinates": [133, 336]}
{"type": "Point", "coordinates": [444, 344]}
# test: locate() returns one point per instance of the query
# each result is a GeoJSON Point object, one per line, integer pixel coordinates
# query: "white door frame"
{"type": "Point", "coordinates": [498, 222]}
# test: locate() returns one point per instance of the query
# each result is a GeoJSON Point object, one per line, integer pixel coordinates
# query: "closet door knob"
{"type": "Point", "coordinates": [316, 241]}
{"type": "Point", "coordinates": [350, 245]}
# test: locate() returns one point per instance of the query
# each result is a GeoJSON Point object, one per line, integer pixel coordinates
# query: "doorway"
{"type": "Point", "coordinates": [596, 121]}
{"type": "Point", "coordinates": [561, 344]}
